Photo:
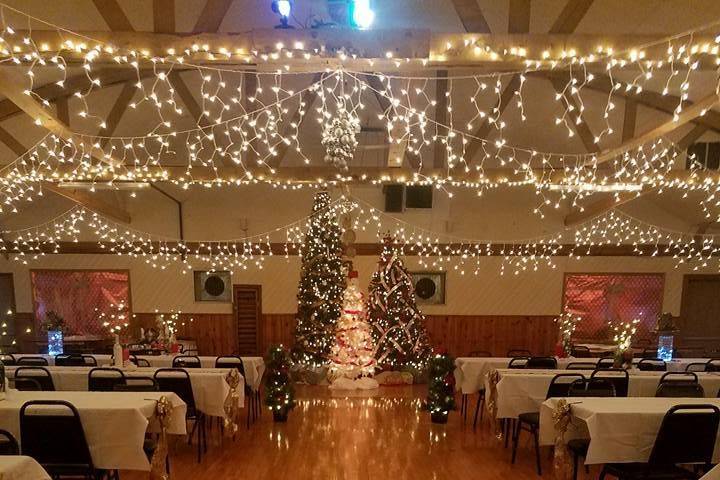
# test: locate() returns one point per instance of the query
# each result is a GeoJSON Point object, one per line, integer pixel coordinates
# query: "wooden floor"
{"type": "Point", "coordinates": [366, 436]}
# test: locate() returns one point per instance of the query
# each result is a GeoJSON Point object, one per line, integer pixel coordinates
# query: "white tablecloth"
{"type": "Point", "coordinates": [620, 430]}
{"type": "Point", "coordinates": [114, 422]}
{"type": "Point", "coordinates": [209, 386]}
{"type": "Point", "coordinates": [20, 467]}
{"type": "Point", "coordinates": [713, 474]}
{"type": "Point", "coordinates": [521, 391]}
{"type": "Point", "coordinates": [470, 372]}
{"type": "Point", "coordinates": [254, 366]}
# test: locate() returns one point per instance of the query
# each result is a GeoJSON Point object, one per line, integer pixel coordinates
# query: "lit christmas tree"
{"type": "Point", "coordinates": [398, 326]}
{"type": "Point", "coordinates": [321, 286]}
{"type": "Point", "coordinates": [352, 354]}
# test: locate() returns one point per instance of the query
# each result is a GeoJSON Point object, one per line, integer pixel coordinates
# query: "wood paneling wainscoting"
{"type": "Point", "coordinates": [215, 334]}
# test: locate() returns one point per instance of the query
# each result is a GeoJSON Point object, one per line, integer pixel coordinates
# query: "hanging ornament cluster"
{"type": "Point", "coordinates": [339, 138]}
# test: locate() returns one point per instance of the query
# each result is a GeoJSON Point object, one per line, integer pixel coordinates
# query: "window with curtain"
{"type": "Point", "coordinates": [79, 297]}
{"type": "Point", "coordinates": [606, 299]}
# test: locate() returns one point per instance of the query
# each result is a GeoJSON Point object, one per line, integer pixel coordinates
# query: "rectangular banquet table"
{"type": "Point", "coordinates": [620, 430]}
{"type": "Point", "coordinates": [20, 467]}
{"type": "Point", "coordinates": [254, 366]}
{"type": "Point", "coordinates": [521, 391]}
{"type": "Point", "coordinates": [470, 372]}
{"type": "Point", "coordinates": [115, 423]}
{"type": "Point", "coordinates": [209, 385]}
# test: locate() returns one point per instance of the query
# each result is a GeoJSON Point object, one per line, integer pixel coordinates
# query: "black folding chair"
{"type": "Point", "coordinates": [27, 384]}
{"type": "Point", "coordinates": [680, 385]}
{"type": "Point", "coordinates": [39, 374]}
{"type": "Point", "coordinates": [104, 379]}
{"type": "Point", "coordinates": [8, 359]}
{"type": "Point", "coordinates": [687, 436]}
{"type": "Point", "coordinates": [652, 365]}
{"type": "Point", "coordinates": [618, 377]}
{"type": "Point", "coordinates": [177, 380]}
{"type": "Point", "coordinates": [137, 384]}
{"type": "Point", "coordinates": [479, 406]}
{"type": "Point", "coordinates": [75, 360]}
{"type": "Point", "coordinates": [549, 363]}
{"type": "Point", "coordinates": [32, 361]}
{"type": "Point", "coordinates": [234, 361]}
{"type": "Point", "coordinates": [696, 367]}
{"type": "Point", "coordinates": [581, 366]}
{"type": "Point", "coordinates": [186, 361]}
{"type": "Point", "coordinates": [8, 445]}
{"type": "Point", "coordinates": [518, 353]}
{"type": "Point", "coordinates": [581, 351]}
{"type": "Point", "coordinates": [139, 362]}
{"type": "Point", "coordinates": [53, 435]}
{"type": "Point", "coordinates": [518, 362]}
{"type": "Point", "coordinates": [713, 365]}
{"type": "Point", "coordinates": [607, 362]}
{"type": "Point", "coordinates": [530, 422]}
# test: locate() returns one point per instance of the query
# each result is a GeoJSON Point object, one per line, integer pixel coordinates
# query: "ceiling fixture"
{"type": "Point", "coordinates": [283, 9]}
{"type": "Point", "coordinates": [361, 15]}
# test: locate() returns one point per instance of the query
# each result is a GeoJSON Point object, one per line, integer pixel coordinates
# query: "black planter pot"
{"type": "Point", "coordinates": [280, 416]}
{"type": "Point", "coordinates": [439, 417]}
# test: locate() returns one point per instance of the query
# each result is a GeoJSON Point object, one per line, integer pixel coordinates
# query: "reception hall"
{"type": "Point", "coordinates": [359, 239]}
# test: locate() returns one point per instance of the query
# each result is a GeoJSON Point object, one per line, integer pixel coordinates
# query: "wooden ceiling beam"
{"type": "Point", "coordinates": [571, 16]}
{"type": "Point", "coordinates": [581, 127]}
{"type": "Point", "coordinates": [629, 120]}
{"type": "Point", "coordinates": [441, 113]}
{"type": "Point", "coordinates": [187, 98]}
{"type": "Point", "coordinates": [113, 15]}
{"type": "Point", "coordinates": [471, 16]}
{"type": "Point", "coordinates": [212, 15]}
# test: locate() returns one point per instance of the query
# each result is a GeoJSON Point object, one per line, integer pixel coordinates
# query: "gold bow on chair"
{"type": "Point", "coordinates": [163, 409]}
{"type": "Point", "coordinates": [493, 379]}
{"type": "Point", "coordinates": [232, 402]}
{"type": "Point", "coordinates": [561, 421]}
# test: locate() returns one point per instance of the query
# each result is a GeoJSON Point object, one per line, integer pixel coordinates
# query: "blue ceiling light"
{"type": "Point", "coordinates": [361, 15]}
{"type": "Point", "coordinates": [283, 8]}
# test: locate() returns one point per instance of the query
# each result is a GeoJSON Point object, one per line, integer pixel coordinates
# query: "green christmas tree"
{"type": "Point", "coordinates": [321, 288]}
{"type": "Point", "coordinates": [398, 326]}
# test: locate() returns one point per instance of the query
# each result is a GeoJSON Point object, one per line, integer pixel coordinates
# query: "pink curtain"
{"type": "Point", "coordinates": [605, 299]}
{"type": "Point", "coordinates": [78, 296]}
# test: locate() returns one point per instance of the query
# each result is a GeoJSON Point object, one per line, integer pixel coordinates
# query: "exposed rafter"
{"type": "Point", "coordinates": [608, 202]}
{"type": "Point", "coordinates": [117, 111]}
{"type": "Point", "coordinates": [629, 120]}
{"type": "Point", "coordinates": [62, 110]}
{"type": "Point", "coordinates": [571, 16]}
{"type": "Point", "coordinates": [113, 15]}
{"type": "Point", "coordinates": [187, 98]}
{"type": "Point", "coordinates": [578, 122]}
{"type": "Point", "coordinates": [212, 16]}
{"type": "Point", "coordinates": [441, 105]}
{"type": "Point", "coordinates": [471, 16]}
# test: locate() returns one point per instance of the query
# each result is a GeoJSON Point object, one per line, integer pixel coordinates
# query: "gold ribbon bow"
{"type": "Point", "coordinates": [493, 379]}
{"type": "Point", "coordinates": [163, 409]}
{"type": "Point", "coordinates": [561, 460]}
{"type": "Point", "coordinates": [232, 402]}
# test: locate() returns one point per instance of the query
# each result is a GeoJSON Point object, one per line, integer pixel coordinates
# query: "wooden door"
{"type": "Point", "coordinates": [700, 312]}
{"type": "Point", "coordinates": [247, 304]}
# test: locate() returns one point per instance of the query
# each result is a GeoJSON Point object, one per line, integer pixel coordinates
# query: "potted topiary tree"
{"type": "Point", "coordinates": [441, 388]}
{"type": "Point", "coordinates": [279, 391]}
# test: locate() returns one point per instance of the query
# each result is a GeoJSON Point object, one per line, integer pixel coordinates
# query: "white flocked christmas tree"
{"type": "Point", "coordinates": [352, 358]}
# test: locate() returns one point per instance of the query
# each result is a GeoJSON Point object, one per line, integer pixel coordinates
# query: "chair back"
{"type": "Point", "coordinates": [607, 362]}
{"type": "Point", "coordinates": [618, 377]}
{"type": "Point", "coordinates": [652, 365]}
{"type": "Point", "coordinates": [53, 435]}
{"type": "Point", "coordinates": [581, 366]}
{"type": "Point", "coordinates": [104, 379]}
{"type": "Point", "coordinates": [177, 380]}
{"type": "Point", "coordinates": [581, 351]}
{"type": "Point", "coordinates": [713, 365]}
{"type": "Point", "coordinates": [39, 374]}
{"type": "Point", "coordinates": [8, 446]}
{"type": "Point", "coordinates": [679, 377]}
{"type": "Point", "coordinates": [230, 361]}
{"type": "Point", "coordinates": [8, 359]}
{"type": "Point", "coordinates": [680, 390]}
{"type": "Point", "coordinates": [480, 354]}
{"type": "Point", "coordinates": [696, 367]}
{"type": "Point", "coordinates": [687, 435]}
{"type": "Point", "coordinates": [186, 361]}
{"type": "Point", "coordinates": [549, 363]}
{"type": "Point", "coordinates": [139, 362]}
{"type": "Point", "coordinates": [649, 353]}
{"type": "Point", "coordinates": [36, 361]}
{"type": "Point", "coordinates": [518, 353]}
{"type": "Point", "coordinates": [518, 362]}
{"type": "Point", "coordinates": [592, 387]}
{"type": "Point", "coordinates": [27, 384]}
{"type": "Point", "coordinates": [137, 384]}
{"type": "Point", "coordinates": [75, 360]}
{"type": "Point", "coordinates": [560, 384]}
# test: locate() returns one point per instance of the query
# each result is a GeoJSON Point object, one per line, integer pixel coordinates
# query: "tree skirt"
{"type": "Point", "coordinates": [362, 383]}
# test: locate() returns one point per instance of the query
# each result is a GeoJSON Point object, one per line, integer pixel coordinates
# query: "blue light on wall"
{"type": "Point", "coordinates": [361, 15]}
{"type": "Point", "coordinates": [55, 342]}
{"type": "Point", "coordinates": [665, 347]}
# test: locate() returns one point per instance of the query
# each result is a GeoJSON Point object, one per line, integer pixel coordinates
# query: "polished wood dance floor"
{"type": "Point", "coordinates": [382, 435]}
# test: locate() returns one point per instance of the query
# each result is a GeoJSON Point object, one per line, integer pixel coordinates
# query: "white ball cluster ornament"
{"type": "Point", "coordinates": [339, 138]}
